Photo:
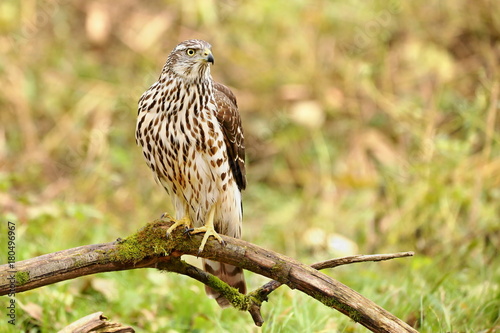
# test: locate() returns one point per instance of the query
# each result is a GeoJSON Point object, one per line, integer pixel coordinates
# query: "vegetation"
{"type": "Point", "coordinates": [370, 127]}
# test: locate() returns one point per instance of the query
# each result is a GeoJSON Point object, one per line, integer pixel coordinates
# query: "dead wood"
{"type": "Point", "coordinates": [150, 248]}
{"type": "Point", "coordinates": [96, 323]}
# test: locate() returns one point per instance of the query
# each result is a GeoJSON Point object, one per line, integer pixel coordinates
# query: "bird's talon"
{"type": "Point", "coordinates": [166, 216]}
{"type": "Point", "coordinates": [184, 221]}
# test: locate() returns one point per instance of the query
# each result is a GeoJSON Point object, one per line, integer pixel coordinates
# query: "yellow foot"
{"type": "Point", "coordinates": [209, 231]}
{"type": "Point", "coordinates": [184, 221]}
{"type": "Point", "coordinates": [166, 216]}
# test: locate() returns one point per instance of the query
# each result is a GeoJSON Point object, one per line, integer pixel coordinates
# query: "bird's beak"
{"type": "Point", "coordinates": [208, 56]}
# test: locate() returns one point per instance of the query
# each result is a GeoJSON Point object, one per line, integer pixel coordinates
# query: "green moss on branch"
{"type": "Point", "coordinates": [147, 242]}
{"type": "Point", "coordinates": [22, 277]}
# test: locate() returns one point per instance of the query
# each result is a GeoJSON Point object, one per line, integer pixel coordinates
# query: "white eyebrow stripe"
{"type": "Point", "coordinates": [194, 43]}
{"type": "Point", "coordinates": [180, 47]}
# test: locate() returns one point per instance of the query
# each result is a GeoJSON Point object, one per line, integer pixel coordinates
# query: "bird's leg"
{"type": "Point", "coordinates": [183, 221]}
{"type": "Point", "coordinates": [208, 229]}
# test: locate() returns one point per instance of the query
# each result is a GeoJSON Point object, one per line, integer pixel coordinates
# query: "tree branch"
{"type": "Point", "coordinates": [150, 248]}
{"type": "Point", "coordinates": [96, 322]}
{"type": "Point", "coordinates": [271, 286]}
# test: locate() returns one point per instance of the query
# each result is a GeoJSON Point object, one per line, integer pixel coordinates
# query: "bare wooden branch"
{"type": "Point", "coordinates": [150, 248]}
{"type": "Point", "coordinates": [96, 323]}
{"type": "Point", "coordinates": [332, 263]}
{"type": "Point", "coordinates": [271, 286]}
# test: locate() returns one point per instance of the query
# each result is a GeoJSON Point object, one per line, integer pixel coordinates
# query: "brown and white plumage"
{"type": "Point", "coordinates": [190, 132]}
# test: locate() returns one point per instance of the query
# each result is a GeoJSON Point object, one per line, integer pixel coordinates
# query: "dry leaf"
{"type": "Point", "coordinates": [33, 310]}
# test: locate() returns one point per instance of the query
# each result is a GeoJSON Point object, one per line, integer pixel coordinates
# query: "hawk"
{"type": "Point", "coordinates": [190, 132]}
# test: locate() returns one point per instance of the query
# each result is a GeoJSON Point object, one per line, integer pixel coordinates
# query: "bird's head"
{"type": "Point", "coordinates": [191, 60]}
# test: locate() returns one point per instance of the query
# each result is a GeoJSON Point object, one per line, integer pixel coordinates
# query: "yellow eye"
{"type": "Point", "coordinates": [190, 52]}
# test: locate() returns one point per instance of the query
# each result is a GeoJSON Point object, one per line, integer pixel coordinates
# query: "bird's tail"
{"type": "Point", "coordinates": [230, 274]}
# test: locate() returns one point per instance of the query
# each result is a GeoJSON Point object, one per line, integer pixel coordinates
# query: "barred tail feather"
{"type": "Point", "coordinates": [230, 274]}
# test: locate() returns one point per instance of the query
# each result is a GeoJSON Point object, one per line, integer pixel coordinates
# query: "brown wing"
{"type": "Point", "coordinates": [230, 121]}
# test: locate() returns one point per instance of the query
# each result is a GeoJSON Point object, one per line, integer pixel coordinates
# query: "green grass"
{"type": "Point", "coordinates": [374, 121]}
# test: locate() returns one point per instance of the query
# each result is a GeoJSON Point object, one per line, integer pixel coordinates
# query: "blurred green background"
{"type": "Point", "coordinates": [370, 127]}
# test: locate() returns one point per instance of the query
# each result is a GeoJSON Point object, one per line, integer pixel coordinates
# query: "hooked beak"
{"type": "Point", "coordinates": [208, 56]}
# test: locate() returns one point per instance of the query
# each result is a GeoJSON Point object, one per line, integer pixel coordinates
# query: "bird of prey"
{"type": "Point", "coordinates": [190, 132]}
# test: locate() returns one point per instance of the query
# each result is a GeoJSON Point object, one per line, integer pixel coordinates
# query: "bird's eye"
{"type": "Point", "coordinates": [190, 52]}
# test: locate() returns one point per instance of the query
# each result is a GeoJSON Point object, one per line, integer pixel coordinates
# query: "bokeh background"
{"type": "Point", "coordinates": [370, 127]}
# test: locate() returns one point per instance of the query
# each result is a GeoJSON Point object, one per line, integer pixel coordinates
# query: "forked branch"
{"type": "Point", "coordinates": [149, 248]}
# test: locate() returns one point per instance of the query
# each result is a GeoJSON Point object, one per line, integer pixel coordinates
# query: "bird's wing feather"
{"type": "Point", "coordinates": [230, 121]}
